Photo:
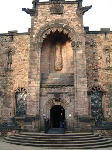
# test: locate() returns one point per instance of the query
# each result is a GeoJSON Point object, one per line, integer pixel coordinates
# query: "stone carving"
{"type": "Point", "coordinates": [108, 59]}
{"type": "Point", "coordinates": [91, 43]}
{"type": "Point", "coordinates": [57, 24]}
{"type": "Point", "coordinates": [107, 50]}
{"type": "Point", "coordinates": [82, 10]}
{"type": "Point", "coordinates": [58, 57]}
{"type": "Point", "coordinates": [5, 39]}
{"type": "Point", "coordinates": [9, 61]}
{"type": "Point", "coordinates": [56, 8]}
{"type": "Point", "coordinates": [96, 107]}
{"type": "Point", "coordinates": [76, 44]}
{"type": "Point", "coordinates": [29, 11]}
{"type": "Point", "coordinates": [57, 97]}
{"type": "Point", "coordinates": [21, 102]}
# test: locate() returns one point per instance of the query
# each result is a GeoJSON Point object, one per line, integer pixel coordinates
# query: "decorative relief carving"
{"type": "Point", "coordinates": [55, 25]}
{"type": "Point", "coordinates": [108, 59]}
{"type": "Point", "coordinates": [29, 11]}
{"type": "Point", "coordinates": [76, 44]}
{"type": "Point", "coordinates": [5, 39]}
{"type": "Point", "coordinates": [56, 8]}
{"type": "Point", "coordinates": [107, 50]}
{"type": "Point", "coordinates": [91, 43]}
{"type": "Point", "coordinates": [9, 60]}
{"type": "Point", "coordinates": [82, 10]}
{"type": "Point", "coordinates": [58, 57]}
{"type": "Point", "coordinates": [57, 90]}
{"type": "Point", "coordinates": [57, 99]}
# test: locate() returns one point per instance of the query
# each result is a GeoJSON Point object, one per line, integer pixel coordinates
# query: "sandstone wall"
{"type": "Point", "coordinates": [14, 64]}
{"type": "Point", "coordinates": [45, 17]}
{"type": "Point", "coordinates": [99, 65]}
{"type": "Point", "coordinates": [14, 55]}
{"type": "Point", "coordinates": [5, 46]}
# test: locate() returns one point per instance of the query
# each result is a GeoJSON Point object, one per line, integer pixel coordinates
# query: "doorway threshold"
{"type": "Point", "coordinates": [56, 131]}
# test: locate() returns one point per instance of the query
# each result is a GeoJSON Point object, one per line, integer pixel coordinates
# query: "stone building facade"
{"type": "Point", "coordinates": [58, 70]}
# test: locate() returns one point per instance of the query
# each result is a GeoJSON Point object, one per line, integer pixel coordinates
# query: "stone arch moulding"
{"type": "Point", "coordinates": [20, 90]}
{"type": "Point", "coordinates": [59, 25]}
{"type": "Point", "coordinates": [64, 102]}
{"type": "Point", "coordinates": [98, 88]}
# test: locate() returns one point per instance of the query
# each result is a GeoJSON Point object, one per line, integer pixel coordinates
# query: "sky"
{"type": "Point", "coordinates": [13, 18]}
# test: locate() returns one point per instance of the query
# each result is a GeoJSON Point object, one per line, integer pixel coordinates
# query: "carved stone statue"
{"type": "Point", "coordinates": [58, 57]}
{"type": "Point", "coordinates": [56, 7]}
{"type": "Point", "coordinates": [108, 59]}
{"type": "Point", "coordinates": [9, 61]}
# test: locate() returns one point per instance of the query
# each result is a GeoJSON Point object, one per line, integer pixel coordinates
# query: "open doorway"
{"type": "Point", "coordinates": [57, 116]}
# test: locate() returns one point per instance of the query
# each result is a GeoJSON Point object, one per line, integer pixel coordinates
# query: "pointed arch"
{"type": "Point", "coordinates": [59, 25]}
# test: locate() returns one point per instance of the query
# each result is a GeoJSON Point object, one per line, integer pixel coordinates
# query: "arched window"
{"type": "Point", "coordinates": [96, 105]}
{"type": "Point", "coordinates": [21, 104]}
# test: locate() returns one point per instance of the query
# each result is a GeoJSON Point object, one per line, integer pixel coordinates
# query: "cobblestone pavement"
{"type": "Point", "coordinates": [7, 146]}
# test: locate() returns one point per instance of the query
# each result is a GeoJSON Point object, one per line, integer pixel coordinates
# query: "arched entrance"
{"type": "Point", "coordinates": [57, 116]}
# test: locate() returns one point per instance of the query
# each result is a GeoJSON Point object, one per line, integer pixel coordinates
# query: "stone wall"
{"type": "Point", "coordinates": [14, 55]}
{"type": "Point", "coordinates": [99, 65]}
{"type": "Point", "coordinates": [4, 44]}
{"type": "Point", "coordinates": [87, 60]}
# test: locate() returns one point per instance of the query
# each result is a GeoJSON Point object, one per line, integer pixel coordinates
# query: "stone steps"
{"type": "Point", "coordinates": [68, 133]}
{"type": "Point", "coordinates": [72, 146]}
{"type": "Point", "coordinates": [55, 139]}
{"type": "Point", "coordinates": [71, 140]}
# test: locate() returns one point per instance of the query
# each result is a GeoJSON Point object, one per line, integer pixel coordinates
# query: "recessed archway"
{"type": "Point", "coordinates": [57, 54]}
{"type": "Point", "coordinates": [57, 116]}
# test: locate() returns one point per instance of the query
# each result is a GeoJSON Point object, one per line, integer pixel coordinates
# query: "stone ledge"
{"type": "Point", "coordinates": [17, 34]}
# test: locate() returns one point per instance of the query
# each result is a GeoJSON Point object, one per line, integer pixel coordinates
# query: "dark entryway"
{"type": "Point", "coordinates": [57, 116]}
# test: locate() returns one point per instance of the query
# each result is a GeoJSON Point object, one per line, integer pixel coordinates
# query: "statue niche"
{"type": "Point", "coordinates": [21, 102]}
{"type": "Point", "coordinates": [9, 60]}
{"type": "Point", "coordinates": [58, 57]}
{"type": "Point", "coordinates": [57, 54]}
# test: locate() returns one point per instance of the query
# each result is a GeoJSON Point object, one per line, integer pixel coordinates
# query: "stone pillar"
{"type": "Point", "coordinates": [80, 78]}
{"type": "Point", "coordinates": [34, 83]}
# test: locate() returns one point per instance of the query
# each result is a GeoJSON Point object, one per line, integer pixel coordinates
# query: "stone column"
{"type": "Point", "coordinates": [80, 78]}
{"type": "Point", "coordinates": [34, 83]}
